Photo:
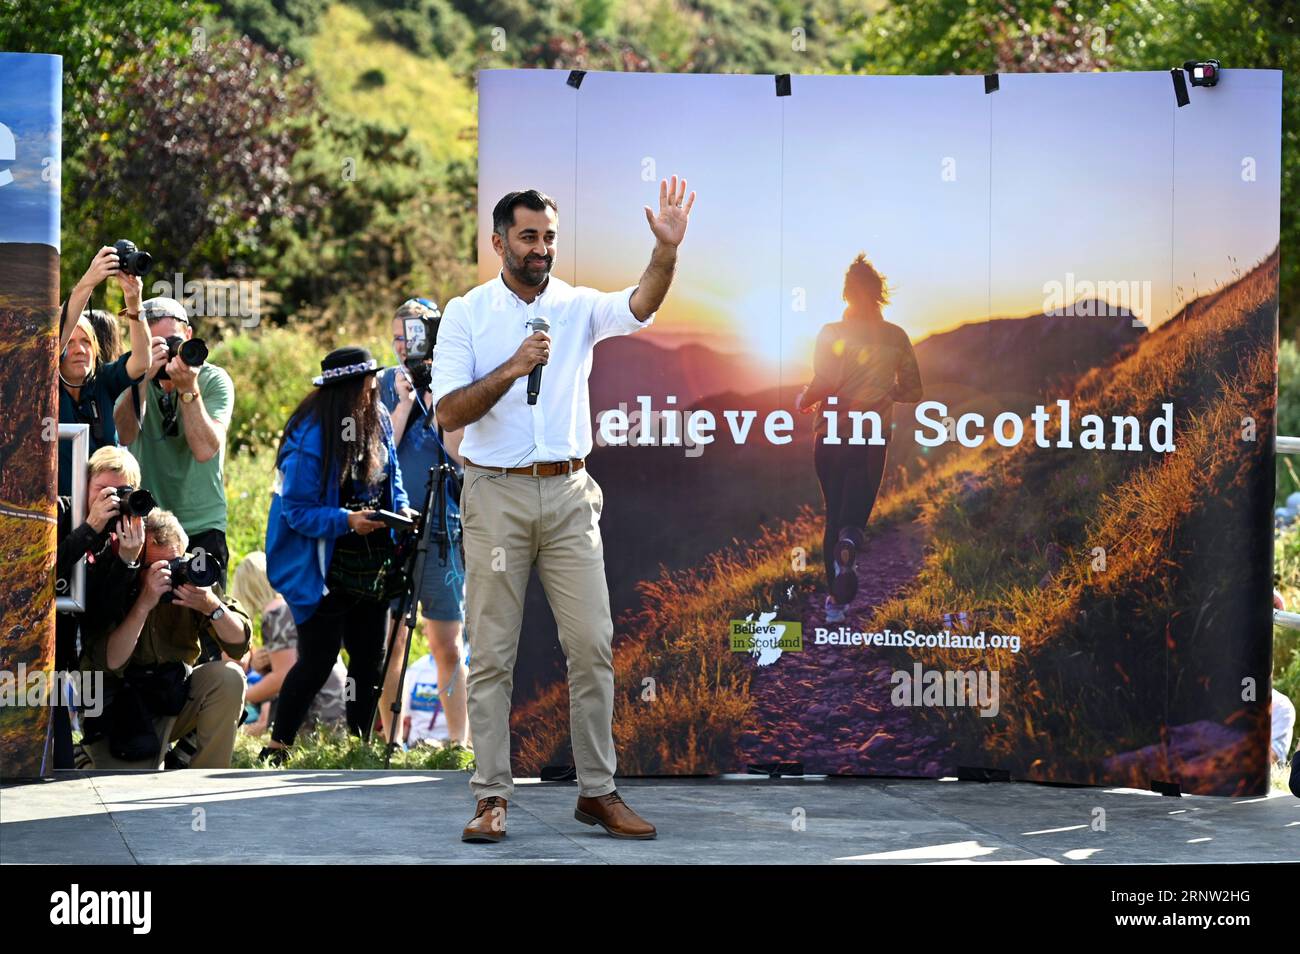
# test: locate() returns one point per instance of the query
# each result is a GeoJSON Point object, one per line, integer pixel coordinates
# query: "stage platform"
{"type": "Point", "coordinates": [332, 817]}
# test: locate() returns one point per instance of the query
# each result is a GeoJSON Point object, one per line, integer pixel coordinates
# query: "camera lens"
{"type": "Point", "coordinates": [194, 352]}
{"type": "Point", "coordinates": [141, 262]}
{"type": "Point", "coordinates": [130, 259]}
{"type": "Point", "coordinates": [198, 572]}
{"type": "Point", "coordinates": [140, 503]}
{"type": "Point", "coordinates": [210, 573]}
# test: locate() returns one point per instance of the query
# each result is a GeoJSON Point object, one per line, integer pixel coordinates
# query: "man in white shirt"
{"type": "Point", "coordinates": [528, 497]}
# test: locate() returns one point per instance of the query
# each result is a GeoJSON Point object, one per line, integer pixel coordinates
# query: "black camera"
{"type": "Point", "coordinates": [198, 569]}
{"type": "Point", "coordinates": [421, 334]}
{"type": "Point", "coordinates": [193, 352]}
{"type": "Point", "coordinates": [131, 260]}
{"type": "Point", "coordinates": [1203, 72]}
{"type": "Point", "coordinates": [135, 503]}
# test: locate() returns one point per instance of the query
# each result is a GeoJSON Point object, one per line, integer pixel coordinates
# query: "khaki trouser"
{"type": "Point", "coordinates": [510, 522]}
{"type": "Point", "coordinates": [216, 698]}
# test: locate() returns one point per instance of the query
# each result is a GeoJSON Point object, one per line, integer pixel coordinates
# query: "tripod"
{"type": "Point", "coordinates": [431, 526]}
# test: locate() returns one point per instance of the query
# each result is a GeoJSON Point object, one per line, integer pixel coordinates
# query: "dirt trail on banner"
{"type": "Point", "coordinates": [829, 706]}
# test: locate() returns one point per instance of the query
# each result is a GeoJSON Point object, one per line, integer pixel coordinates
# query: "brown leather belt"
{"type": "Point", "coordinates": [540, 469]}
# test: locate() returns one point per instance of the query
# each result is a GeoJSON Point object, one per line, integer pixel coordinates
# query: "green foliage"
{"type": "Point", "coordinates": [723, 36]}
{"type": "Point", "coordinates": [432, 28]}
{"type": "Point", "coordinates": [424, 96]}
{"type": "Point", "coordinates": [392, 226]}
{"type": "Point", "coordinates": [249, 478]}
{"type": "Point", "coordinates": [165, 171]}
{"type": "Point", "coordinates": [97, 59]}
{"type": "Point", "coordinates": [275, 24]}
{"type": "Point", "coordinates": [326, 748]}
{"type": "Point", "coordinates": [1286, 642]}
{"type": "Point", "coordinates": [1288, 416]}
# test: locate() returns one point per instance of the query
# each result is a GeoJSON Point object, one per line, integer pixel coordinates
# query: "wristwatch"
{"type": "Point", "coordinates": [133, 315]}
{"type": "Point", "coordinates": [217, 613]}
{"type": "Point", "coordinates": [189, 396]}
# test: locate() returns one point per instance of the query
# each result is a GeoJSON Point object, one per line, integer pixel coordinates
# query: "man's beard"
{"type": "Point", "coordinates": [522, 273]}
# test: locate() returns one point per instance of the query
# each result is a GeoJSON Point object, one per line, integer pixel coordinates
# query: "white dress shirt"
{"type": "Point", "coordinates": [481, 330]}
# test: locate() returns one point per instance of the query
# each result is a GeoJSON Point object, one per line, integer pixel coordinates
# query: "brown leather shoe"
{"type": "Point", "coordinates": [489, 821]}
{"type": "Point", "coordinates": [611, 813]}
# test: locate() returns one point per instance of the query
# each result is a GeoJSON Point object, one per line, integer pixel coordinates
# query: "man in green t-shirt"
{"type": "Point", "coordinates": [176, 428]}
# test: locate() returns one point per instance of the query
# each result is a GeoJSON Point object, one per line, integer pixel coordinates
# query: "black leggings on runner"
{"type": "Point", "coordinates": [338, 621]}
{"type": "Point", "coordinates": [850, 476]}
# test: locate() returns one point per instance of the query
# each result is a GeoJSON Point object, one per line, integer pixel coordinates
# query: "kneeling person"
{"type": "Point", "coordinates": [146, 645]}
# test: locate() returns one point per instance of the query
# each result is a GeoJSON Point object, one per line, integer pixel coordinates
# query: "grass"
{"type": "Point", "coordinates": [370, 77]}
{"type": "Point", "coordinates": [326, 748]}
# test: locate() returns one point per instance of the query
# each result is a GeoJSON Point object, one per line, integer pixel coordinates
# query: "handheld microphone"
{"type": "Point", "coordinates": [535, 376]}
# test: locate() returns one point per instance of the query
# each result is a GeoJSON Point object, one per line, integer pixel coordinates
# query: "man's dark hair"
{"type": "Point", "coordinates": [503, 216]}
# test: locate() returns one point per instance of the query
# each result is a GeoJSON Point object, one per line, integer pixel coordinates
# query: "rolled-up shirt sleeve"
{"type": "Point", "coordinates": [453, 353]}
{"type": "Point", "coordinates": [611, 314]}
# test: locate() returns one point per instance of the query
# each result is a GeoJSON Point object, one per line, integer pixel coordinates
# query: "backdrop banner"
{"type": "Point", "coordinates": [30, 116]}
{"type": "Point", "coordinates": [1037, 324]}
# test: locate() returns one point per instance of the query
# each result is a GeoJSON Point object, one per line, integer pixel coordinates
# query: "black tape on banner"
{"type": "Point", "coordinates": [990, 83]}
{"type": "Point", "coordinates": [1180, 86]}
{"type": "Point", "coordinates": [575, 78]}
{"type": "Point", "coordinates": [775, 769]}
{"type": "Point", "coordinates": [970, 773]}
{"type": "Point", "coordinates": [783, 84]}
{"type": "Point", "coordinates": [1167, 788]}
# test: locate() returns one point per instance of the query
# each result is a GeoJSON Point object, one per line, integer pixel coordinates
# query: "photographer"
{"type": "Point", "coordinates": [179, 436]}
{"type": "Point", "coordinates": [87, 387]}
{"type": "Point", "coordinates": [421, 445]}
{"type": "Point", "coordinates": [146, 641]}
{"type": "Point", "coordinates": [337, 466]}
{"type": "Point", "coordinates": [94, 540]}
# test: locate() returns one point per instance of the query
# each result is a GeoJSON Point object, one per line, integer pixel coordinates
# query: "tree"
{"type": "Point", "coordinates": [194, 152]}
{"type": "Point", "coordinates": [88, 34]}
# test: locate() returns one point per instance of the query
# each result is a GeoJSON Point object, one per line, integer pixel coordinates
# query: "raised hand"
{"type": "Point", "coordinates": [157, 581]}
{"type": "Point", "coordinates": [103, 509]}
{"type": "Point", "coordinates": [132, 287]}
{"type": "Point", "coordinates": [669, 226]}
{"type": "Point", "coordinates": [101, 267]}
{"type": "Point", "coordinates": [130, 538]}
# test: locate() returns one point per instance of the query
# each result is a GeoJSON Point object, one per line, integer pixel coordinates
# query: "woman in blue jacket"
{"type": "Point", "coordinates": [336, 465]}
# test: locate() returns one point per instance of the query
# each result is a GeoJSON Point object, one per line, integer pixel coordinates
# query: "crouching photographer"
{"type": "Point", "coordinates": [146, 643]}
{"type": "Point", "coordinates": [112, 531]}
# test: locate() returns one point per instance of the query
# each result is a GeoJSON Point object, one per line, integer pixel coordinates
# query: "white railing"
{"type": "Point", "coordinates": [1286, 445]}
{"type": "Point", "coordinates": [79, 434]}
